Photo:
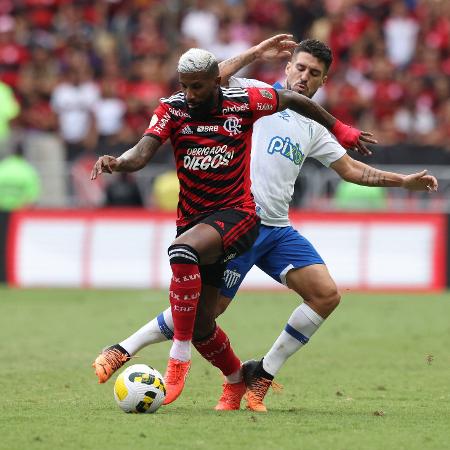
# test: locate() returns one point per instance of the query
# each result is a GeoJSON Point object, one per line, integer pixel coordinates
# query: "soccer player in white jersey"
{"type": "Point", "coordinates": [280, 144]}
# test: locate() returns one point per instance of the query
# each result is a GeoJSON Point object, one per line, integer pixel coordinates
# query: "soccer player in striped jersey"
{"type": "Point", "coordinates": [209, 127]}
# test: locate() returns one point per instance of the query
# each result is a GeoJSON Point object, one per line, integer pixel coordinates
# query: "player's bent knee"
{"type": "Point", "coordinates": [334, 299]}
{"type": "Point", "coordinates": [325, 303]}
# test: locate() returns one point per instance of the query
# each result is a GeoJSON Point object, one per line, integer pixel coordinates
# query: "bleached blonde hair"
{"type": "Point", "coordinates": [198, 60]}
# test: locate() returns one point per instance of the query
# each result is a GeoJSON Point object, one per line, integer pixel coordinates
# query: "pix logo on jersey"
{"type": "Point", "coordinates": [286, 148]}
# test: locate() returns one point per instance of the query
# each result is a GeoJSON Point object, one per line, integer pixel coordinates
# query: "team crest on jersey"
{"type": "Point", "coordinates": [232, 125]}
{"type": "Point", "coordinates": [266, 94]}
{"type": "Point", "coordinates": [231, 277]}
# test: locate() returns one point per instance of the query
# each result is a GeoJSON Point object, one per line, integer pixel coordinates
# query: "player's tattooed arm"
{"type": "Point", "coordinates": [372, 177]}
{"type": "Point", "coordinates": [277, 47]}
{"type": "Point", "coordinates": [132, 160]}
{"type": "Point", "coordinates": [138, 157]}
{"type": "Point", "coordinates": [357, 172]}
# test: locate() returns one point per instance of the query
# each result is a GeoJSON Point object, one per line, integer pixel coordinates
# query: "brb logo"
{"type": "Point", "coordinates": [232, 125]}
{"type": "Point", "coordinates": [286, 148]}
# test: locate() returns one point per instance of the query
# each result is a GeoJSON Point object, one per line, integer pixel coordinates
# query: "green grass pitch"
{"type": "Point", "coordinates": [376, 376]}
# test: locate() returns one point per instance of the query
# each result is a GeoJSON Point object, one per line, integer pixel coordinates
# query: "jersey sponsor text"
{"type": "Point", "coordinates": [286, 148]}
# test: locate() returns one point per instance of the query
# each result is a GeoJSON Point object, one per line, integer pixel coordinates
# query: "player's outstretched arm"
{"type": "Point", "coordinates": [276, 47]}
{"type": "Point", "coordinates": [133, 159]}
{"type": "Point", "coordinates": [359, 173]}
{"type": "Point", "coordinates": [347, 136]}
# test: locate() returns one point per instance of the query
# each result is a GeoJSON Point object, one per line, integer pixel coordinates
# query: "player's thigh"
{"type": "Point", "coordinates": [290, 250]}
{"type": "Point", "coordinates": [312, 283]}
{"type": "Point", "coordinates": [205, 240]}
{"type": "Point", "coordinates": [238, 229]}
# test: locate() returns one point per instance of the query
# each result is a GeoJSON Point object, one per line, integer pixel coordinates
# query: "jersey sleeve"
{"type": "Point", "coordinates": [262, 101]}
{"type": "Point", "coordinates": [246, 82]}
{"type": "Point", "coordinates": [324, 146]}
{"type": "Point", "coordinates": [160, 125]}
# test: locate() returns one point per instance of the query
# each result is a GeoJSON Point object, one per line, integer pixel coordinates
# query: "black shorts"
{"type": "Point", "coordinates": [238, 229]}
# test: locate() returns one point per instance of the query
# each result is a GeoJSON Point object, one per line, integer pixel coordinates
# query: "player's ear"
{"type": "Point", "coordinates": [287, 68]}
{"type": "Point", "coordinates": [324, 79]}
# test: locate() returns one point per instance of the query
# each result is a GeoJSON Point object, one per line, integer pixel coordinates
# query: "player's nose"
{"type": "Point", "coordinates": [190, 97]}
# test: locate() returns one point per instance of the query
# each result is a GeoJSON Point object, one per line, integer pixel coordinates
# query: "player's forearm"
{"type": "Point", "coordinates": [232, 65]}
{"type": "Point", "coordinates": [369, 176]}
{"type": "Point", "coordinates": [306, 107]}
{"type": "Point", "coordinates": [138, 156]}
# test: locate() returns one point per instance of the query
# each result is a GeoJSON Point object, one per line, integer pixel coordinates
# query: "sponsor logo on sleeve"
{"type": "Point", "coordinates": [264, 106]}
{"type": "Point", "coordinates": [153, 121]}
{"type": "Point", "coordinates": [266, 93]}
{"type": "Point", "coordinates": [162, 123]}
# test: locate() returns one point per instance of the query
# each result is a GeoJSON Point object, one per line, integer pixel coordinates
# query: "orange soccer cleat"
{"type": "Point", "coordinates": [109, 360]}
{"type": "Point", "coordinates": [257, 387]}
{"type": "Point", "coordinates": [174, 379]}
{"type": "Point", "coordinates": [231, 397]}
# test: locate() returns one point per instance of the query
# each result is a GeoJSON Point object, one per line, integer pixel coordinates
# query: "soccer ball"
{"type": "Point", "coordinates": [139, 389]}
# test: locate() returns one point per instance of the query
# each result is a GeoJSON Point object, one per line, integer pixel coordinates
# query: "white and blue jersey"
{"type": "Point", "coordinates": [280, 144]}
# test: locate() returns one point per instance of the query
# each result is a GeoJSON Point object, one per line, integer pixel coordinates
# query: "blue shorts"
{"type": "Point", "coordinates": [275, 251]}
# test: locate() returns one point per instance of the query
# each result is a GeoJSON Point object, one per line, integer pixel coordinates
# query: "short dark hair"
{"type": "Point", "coordinates": [316, 48]}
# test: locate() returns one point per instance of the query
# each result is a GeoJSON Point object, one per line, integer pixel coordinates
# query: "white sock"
{"type": "Point", "coordinates": [157, 330]}
{"type": "Point", "coordinates": [180, 350]}
{"type": "Point", "coordinates": [234, 377]}
{"type": "Point", "coordinates": [302, 324]}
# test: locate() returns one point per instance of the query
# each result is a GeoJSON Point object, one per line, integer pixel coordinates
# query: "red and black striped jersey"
{"type": "Point", "coordinates": [213, 154]}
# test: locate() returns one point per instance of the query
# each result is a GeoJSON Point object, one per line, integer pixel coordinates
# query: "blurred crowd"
{"type": "Point", "coordinates": [81, 78]}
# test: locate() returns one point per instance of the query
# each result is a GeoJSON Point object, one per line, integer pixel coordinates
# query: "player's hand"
{"type": "Point", "coordinates": [277, 47]}
{"type": "Point", "coordinates": [360, 147]}
{"type": "Point", "coordinates": [420, 182]}
{"type": "Point", "coordinates": [104, 164]}
{"type": "Point", "coordinates": [353, 139]}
